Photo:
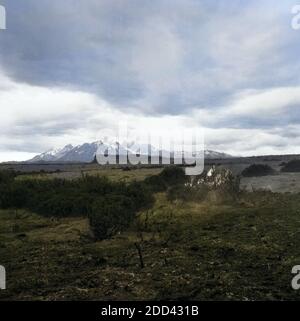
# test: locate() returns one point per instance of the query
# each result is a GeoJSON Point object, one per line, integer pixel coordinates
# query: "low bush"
{"type": "Point", "coordinates": [7, 176]}
{"type": "Point", "coordinates": [170, 176]}
{"type": "Point", "coordinates": [110, 206]}
{"type": "Point", "coordinates": [258, 170]}
{"type": "Point", "coordinates": [291, 166]}
{"type": "Point", "coordinates": [187, 193]}
{"type": "Point", "coordinates": [111, 214]}
{"type": "Point", "coordinates": [217, 185]}
{"type": "Point", "coordinates": [173, 175]}
{"type": "Point", "coordinates": [156, 183]}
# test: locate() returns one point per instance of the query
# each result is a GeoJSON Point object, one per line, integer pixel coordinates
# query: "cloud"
{"type": "Point", "coordinates": [267, 103]}
{"type": "Point", "coordinates": [159, 56]}
{"type": "Point", "coordinates": [38, 118]}
{"type": "Point", "coordinates": [256, 109]}
{"type": "Point", "coordinates": [69, 69]}
{"type": "Point", "coordinates": [251, 142]}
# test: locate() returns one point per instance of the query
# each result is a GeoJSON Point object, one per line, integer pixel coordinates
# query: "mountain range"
{"type": "Point", "coordinates": [86, 152]}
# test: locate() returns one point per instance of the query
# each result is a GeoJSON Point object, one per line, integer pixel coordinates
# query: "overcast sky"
{"type": "Point", "coordinates": [71, 68]}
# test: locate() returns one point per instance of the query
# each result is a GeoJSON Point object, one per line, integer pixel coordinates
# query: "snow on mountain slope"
{"type": "Point", "coordinates": [86, 152]}
{"type": "Point", "coordinates": [210, 154]}
{"type": "Point", "coordinates": [52, 154]}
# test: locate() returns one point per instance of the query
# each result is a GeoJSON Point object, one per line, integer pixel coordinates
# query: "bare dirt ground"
{"type": "Point", "coordinates": [281, 183]}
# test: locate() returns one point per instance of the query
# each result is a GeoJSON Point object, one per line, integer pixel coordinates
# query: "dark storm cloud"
{"type": "Point", "coordinates": [156, 56]}
{"type": "Point", "coordinates": [69, 67]}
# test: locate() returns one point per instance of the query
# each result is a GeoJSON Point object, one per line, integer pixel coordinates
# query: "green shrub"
{"type": "Point", "coordinates": [139, 193]}
{"type": "Point", "coordinates": [170, 176]}
{"type": "Point", "coordinates": [7, 176]}
{"type": "Point", "coordinates": [187, 193]}
{"type": "Point", "coordinates": [291, 166]}
{"type": "Point", "coordinates": [258, 170]}
{"type": "Point", "coordinates": [110, 206]}
{"type": "Point", "coordinates": [173, 175]}
{"type": "Point", "coordinates": [13, 195]}
{"type": "Point", "coordinates": [156, 183]}
{"type": "Point", "coordinates": [217, 185]}
{"type": "Point", "coordinates": [110, 214]}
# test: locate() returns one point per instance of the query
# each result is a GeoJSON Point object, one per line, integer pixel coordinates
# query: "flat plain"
{"type": "Point", "coordinates": [206, 250]}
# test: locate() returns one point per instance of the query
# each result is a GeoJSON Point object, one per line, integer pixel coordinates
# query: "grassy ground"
{"type": "Point", "coordinates": [201, 251]}
{"type": "Point", "coordinates": [114, 174]}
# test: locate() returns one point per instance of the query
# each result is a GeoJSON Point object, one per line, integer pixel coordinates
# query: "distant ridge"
{"type": "Point", "coordinates": [86, 152]}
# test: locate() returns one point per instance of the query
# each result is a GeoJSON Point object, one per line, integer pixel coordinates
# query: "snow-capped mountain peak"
{"type": "Point", "coordinates": [215, 155]}
{"type": "Point", "coordinates": [53, 154]}
{"type": "Point", "coordinates": [86, 152]}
